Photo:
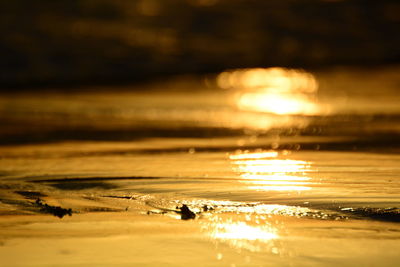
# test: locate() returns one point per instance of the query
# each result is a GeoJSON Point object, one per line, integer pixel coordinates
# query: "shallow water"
{"type": "Point", "coordinates": [312, 181]}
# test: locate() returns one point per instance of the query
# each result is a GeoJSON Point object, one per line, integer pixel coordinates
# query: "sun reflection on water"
{"type": "Point", "coordinates": [265, 171]}
{"type": "Point", "coordinates": [274, 90]}
{"type": "Point", "coordinates": [241, 230]}
{"type": "Point", "coordinates": [255, 226]}
{"type": "Point", "coordinates": [249, 234]}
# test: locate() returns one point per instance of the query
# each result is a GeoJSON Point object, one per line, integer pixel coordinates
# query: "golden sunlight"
{"type": "Point", "coordinates": [241, 230]}
{"type": "Point", "coordinates": [275, 79]}
{"type": "Point", "coordinates": [274, 90]}
{"type": "Point", "coordinates": [258, 155]}
{"type": "Point", "coordinates": [241, 234]}
{"type": "Point", "coordinates": [264, 171]}
{"type": "Point", "coordinates": [281, 104]}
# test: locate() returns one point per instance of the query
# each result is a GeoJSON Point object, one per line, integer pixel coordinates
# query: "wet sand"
{"type": "Point", "coordinates": [266, 189]}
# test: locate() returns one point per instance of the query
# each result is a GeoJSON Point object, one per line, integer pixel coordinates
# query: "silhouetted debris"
{"type": "Point", "coordinates": [55, 210]}
{"type": "Point", "coordinates": [122, 197]}
{"type": "Point", "coordinates": [380, 214]}
{"type": "Point", "coordinates": [186, 213]}
{"type": "Point", "coordinates": [207, 208]}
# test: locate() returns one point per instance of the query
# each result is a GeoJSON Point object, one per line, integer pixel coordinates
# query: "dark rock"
{"type": "Point", "coordinates": [186, 213]}
{"type": "Point", "coordinates": [55, 210]}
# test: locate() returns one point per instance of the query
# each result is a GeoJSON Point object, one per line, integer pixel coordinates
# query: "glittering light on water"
{"type": "Point", "coordinates": [259, 155]}
{"type": "Point", "coordinates": [274, 90]}
{"type": "Point", "coordinates": [277, 80]}
{"type": "Point", "coordinates": [281, 104]}
{"type": "Point", "coordinates": [241, 230]}
{"type": "Point", "coordinates": [271, 166]}
{"type": "Point", "coordinates": [267, 172]}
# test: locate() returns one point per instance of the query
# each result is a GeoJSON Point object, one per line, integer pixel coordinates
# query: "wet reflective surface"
{"type": "Point", "coordinates": [312, 183]}
{"type": "Point", "coordinates": [274, 90]}
{"type": "Point", "coordinates": [271, 174]}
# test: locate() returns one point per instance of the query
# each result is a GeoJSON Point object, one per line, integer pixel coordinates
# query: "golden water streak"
{"type": "Point", "coordinates": [263, 173]}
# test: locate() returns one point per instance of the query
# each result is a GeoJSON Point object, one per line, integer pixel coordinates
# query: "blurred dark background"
{"type": "Point", "coordinates": [75, 42]}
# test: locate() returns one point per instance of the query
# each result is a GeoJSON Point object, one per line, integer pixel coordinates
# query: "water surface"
{"type": "Point", "coordinates": [280, 167]}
